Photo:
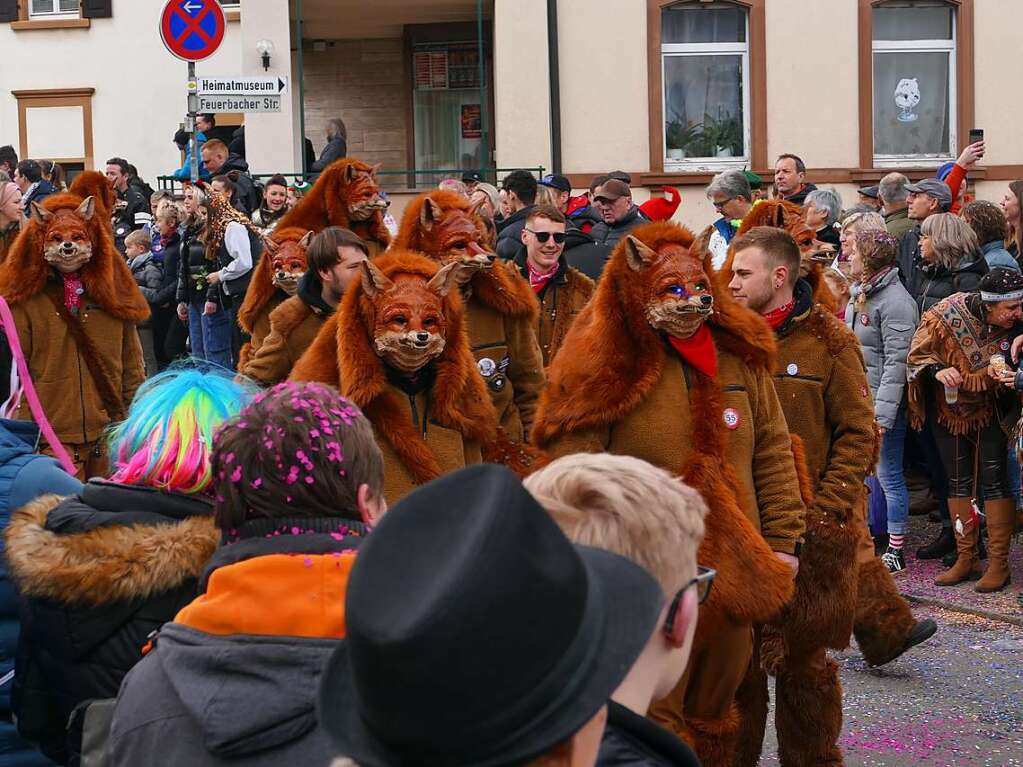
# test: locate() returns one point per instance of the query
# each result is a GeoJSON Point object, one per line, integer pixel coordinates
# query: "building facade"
{"type": "Point", "coordinates": [671, 91]}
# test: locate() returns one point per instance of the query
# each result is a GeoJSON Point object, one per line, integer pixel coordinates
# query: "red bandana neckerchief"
{"type": "Point", "coordinates": [776, 317]}
{"type": "Point", "coordinates": [73, 292]}
{"type": "Point", "coordinates": [538, 281]}
{"type": "Point", "coordinates": [698, 350]}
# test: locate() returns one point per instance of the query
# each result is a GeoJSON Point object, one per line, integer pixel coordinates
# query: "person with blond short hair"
{"type": "Point", "coordinates": [631, 508]}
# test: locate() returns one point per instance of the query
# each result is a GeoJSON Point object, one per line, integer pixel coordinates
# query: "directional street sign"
{"type": "Point", "coordinates": [242, 86]}
{"type": "Point", "coordinates": [192, 29]}
{"type": "Point", "coordinates": [234, 103]}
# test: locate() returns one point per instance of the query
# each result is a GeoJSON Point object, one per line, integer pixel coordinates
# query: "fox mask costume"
{"type": "Point", "coordinates": [347, 195]}
{"type": "Point", "coordinates": [501, 308]}
{"type": "Point", "coordinates": [398, 348]}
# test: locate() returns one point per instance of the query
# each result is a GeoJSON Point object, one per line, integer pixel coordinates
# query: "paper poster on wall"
{"type": "Point", "coordinates": [430, 70]}
{"type": "Point", "coordinates": [907, 96]}
{"type": "Point", "coordinates": [472, 121]}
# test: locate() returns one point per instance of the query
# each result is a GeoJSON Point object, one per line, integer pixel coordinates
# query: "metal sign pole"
{"type": "Point", "coordinates": [193, 107]}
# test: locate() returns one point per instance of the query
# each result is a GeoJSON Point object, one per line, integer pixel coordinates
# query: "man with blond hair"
{"type": "Point", "coordinates": [631, 508]}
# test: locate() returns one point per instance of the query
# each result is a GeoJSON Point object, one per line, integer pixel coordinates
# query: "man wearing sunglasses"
{"type": "Point", "coordinates": [732, 197]}
{"type": "Point", "coordinates": [561, 290]}
{"type": "Point", "coordinates": [634, 509]}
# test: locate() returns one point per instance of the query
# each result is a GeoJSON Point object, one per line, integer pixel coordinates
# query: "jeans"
{"type": "Point", "coordinates": [890, 476]}
{"type": "Point", "coordinates": [210, 335]}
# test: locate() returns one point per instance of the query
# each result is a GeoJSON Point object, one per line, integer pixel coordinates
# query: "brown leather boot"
{"type": "Point", "coordinates": [966, 543]}
{"type": "Point", "coordinates": [1001, 519]}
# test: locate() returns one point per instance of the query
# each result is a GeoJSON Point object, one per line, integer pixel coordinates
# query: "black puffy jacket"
{"type": "Point", "coordinates": [610, 234]}
{"type": "Point", "coordinates": [96, 573]}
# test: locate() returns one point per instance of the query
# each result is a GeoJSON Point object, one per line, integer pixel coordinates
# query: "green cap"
{"type": "Point", "coordinates": [755, 181]}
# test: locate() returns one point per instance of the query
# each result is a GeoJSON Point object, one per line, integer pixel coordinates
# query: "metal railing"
{"type": "Point", "coordinates": [390, 180]}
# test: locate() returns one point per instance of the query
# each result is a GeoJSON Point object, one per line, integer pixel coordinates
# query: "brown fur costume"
{"type": "Point", "coordinates": [106, 277]}
{"type": "Point", "coordinates": [327, 204]}
{"type": "Point", "coordinates": [106, 564]}
{"type": "Point", "coordinates": [262, 296]}
{"type": "Point", "coordinates": [92, 183]}
{"type": "Point", "coordinates": [343, 356]}
{"type": "Point", "coordinates": [501, 309]}
{"type": "Point", "coordinates": [611, 359]}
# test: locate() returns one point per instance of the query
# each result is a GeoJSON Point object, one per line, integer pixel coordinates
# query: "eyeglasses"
{"type": "Point", "coordinates": [703, 581]}
{"type": "Point", "coordinates": [542, 237]}
{"type": "Point", "coordinates": [719, 206]}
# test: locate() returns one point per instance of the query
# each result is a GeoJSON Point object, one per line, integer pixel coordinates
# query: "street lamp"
{"type": "Point", "coordinates": [265, 48]}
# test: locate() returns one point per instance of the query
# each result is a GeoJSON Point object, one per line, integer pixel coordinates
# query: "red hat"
{"type": "Point", "coordinates": [662, 208]}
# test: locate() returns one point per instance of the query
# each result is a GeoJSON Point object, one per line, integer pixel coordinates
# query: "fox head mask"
{"type": "Point", "coordinates": [289, 263]}
{"type": "Point", "coordinates": [677, 290]}
{"type": "Point", "coordinates": [67, 245]}
{"type": "Point", "coordinates": [409, 325]}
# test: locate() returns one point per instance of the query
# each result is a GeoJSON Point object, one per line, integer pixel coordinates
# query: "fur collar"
{"type": "Point", "coordinates": [612, 349]}
{"type": "Point", "coordinates": [289, 314]}
{"type": "Point", "coordinates": [343, 353]}
{"type": "Point", "coordinates": [106, 278]}
{"type": "Point", "coordinates": [92, 183]}
{"type": "Point", "coordinates": [105, 564]}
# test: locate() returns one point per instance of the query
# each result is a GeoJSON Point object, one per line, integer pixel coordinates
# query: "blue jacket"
{"type": "Point", "coordinates": [185, 171]}
{"type": "Point", "coordinates": [24, 476]}
{"type": "Point", "coordinates": [996, 255]}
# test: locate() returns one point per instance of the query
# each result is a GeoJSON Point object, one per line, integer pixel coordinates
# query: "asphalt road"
{"type": "Point", "coordinates": [956, 700]}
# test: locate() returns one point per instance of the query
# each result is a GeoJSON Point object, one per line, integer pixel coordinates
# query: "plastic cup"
{"type": "Point", "coordinates": [951, 394]}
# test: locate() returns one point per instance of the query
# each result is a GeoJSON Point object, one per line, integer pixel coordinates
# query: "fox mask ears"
{"type": "Point", "coordinates": [375, 282]}
{"type": "Point", "coordinates": [85, 210]}
{"type": "Point", "coordinates": [638, 255]}
{"type": "Point", "coordinates": [306, 240]}
{"type": "Point", "coordinates": [430, 214]}
{"type": "Point", "coordinates": [352, 173]}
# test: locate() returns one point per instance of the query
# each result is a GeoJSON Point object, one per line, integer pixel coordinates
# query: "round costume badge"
{"type": "Point", "coordinates": [732, 419]}
{"type": "Point", "coordinates": [1004, 345]}
{"type": "Point", "coordinates": [792, 369]}
{"type": "Point", "coordinates": [863, 390]}
{"type": "Point", "coordinates": [864, 320]}
{"type": "Point", "coordinates": [487, 367]}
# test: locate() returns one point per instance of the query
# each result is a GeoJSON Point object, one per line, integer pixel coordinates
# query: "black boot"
{"type": "Point", "coordinates": [939, 547]}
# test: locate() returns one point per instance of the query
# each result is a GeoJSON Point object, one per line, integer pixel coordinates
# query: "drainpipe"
{"type": "Point", "coordinates": [301, 88]}
{"type": "Point", "coordinates": [555, 81]}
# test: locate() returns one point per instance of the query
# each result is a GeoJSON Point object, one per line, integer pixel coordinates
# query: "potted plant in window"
{"type": "Point", "coordinates": [677, 135]}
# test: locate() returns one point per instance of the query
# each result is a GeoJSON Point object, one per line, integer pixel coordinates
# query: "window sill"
{"type": "Point", "coordinates": [29, 24]}
{"type": "Point", "coordinates": [230, 16]}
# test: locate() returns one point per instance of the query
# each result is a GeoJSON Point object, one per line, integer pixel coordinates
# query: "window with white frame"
{"type": "Point", "coordinates": [48, 9]}
{"type": "Point", "coordinates": [705, 76]}
{"type": "Point", "coordinates": [230, 5]}
{"type": "Point", "coordinates": [914, 64]}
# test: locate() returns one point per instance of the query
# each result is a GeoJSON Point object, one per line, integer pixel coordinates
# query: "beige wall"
{"type": "Point", "coordinates": [363, 83]}
{"type": "Point", "coordinates": [997, 60]}
{"type": "Point", "coordinates": [521, 84]}
{"type": "Point", "coordinates": [603, 87]}
{"type": "Point", "coordinates": [264, 149]}
{"type": "Point", "coordinates": [812, 95]}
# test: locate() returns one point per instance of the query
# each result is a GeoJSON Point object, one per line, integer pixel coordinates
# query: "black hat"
{"type": "Point", "coordinates": [1001, 284]}
{"type": "Point", "coordinates": [869, 191]}
{"type": "Point", "coordinates": [477, 634]}
{"type": "Point", "coordinates": [556, 181]}
{"type": "Point", "coordinates": [471, 177]}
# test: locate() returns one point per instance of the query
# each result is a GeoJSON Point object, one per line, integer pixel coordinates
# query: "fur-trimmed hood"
{"type": "Point", "coordinates": [106, 563]}
{"type": "Point", "coordinates": [499, 287]}
{"type": "Point", "coordinates": [612, 348]}
{"type": "Point", "coordinates": [326, 204]}
{"type": "Point", "coordinates": [261, 288]}
{"type": "Point", "coordinates": [107, 279]}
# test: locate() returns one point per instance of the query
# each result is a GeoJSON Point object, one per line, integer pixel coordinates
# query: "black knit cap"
{"type": "Point", "coordinates": [1001, 284]}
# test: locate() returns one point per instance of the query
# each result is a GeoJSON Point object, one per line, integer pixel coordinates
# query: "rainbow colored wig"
{"type": "Point", "coordinates": [166, 440]}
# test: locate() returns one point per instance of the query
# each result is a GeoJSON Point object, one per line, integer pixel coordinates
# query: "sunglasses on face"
{"type": "Point", "coordinates": [718, 206]}
{"type": "Point", "coordinates": [542, 237]}
{"type": "Point", "coordinates": [703, 581]}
